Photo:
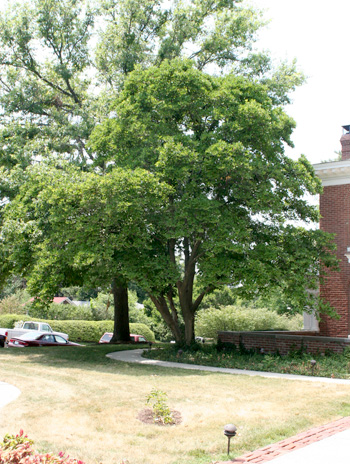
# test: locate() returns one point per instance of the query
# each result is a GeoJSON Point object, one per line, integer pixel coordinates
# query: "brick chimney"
{"type": "Point", "coordinates": [345, 143]}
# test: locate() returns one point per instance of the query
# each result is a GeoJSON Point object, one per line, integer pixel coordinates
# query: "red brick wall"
{"type": "Point", "coordinates": [345, 147]}
{"type": "Point", "coordinates": [283, 342]}
{"type": "Point", "coordinates": [335, 218]}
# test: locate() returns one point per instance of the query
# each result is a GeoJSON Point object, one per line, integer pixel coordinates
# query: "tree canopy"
{"type": "Point", "coordinates": [152, 169]}
{"type": "Point", "coordinates": [62, 62]}
{"type": "Point", "coordinates": [218, 142]}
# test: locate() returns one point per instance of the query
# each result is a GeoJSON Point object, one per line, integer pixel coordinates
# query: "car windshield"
{"type": "Point", "coordinates": [107, 337]}
{"type": "Point", "coordinates": [31, 326]}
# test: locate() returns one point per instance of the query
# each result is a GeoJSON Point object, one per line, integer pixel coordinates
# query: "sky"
{"type": "Point", "coordinates": [316, 33]}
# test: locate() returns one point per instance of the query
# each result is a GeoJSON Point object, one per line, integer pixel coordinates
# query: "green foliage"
{"type": "Point", "coordinates": [12, 441]}
{"type": "Point", "coordinates": [161, 411]}
{"type": "Point", "coordinates": [15, 303]}
{"type": "Point", "coordinates": [142, 329]}
{"type": "Point", "coordinates": [219, 143]}
{"type": "Point", "coordinates": [78, 293]}
{"type": "Point", "coordinates": [12, 285]}
{"type": "Point", "coordinates": [183, 164]}
{"type": "Point", "coordinates": [17, 449]}
{"type": "Point", "coordinates": [333, 365]}
{"type": "Point", "coordinates": [83, 331]}
{"type": "Point", "coordinates": [224, 296]}
{"type": "Point", "coordinates": [46, 109]}
{"type": "Point", "coordinates": [8, 321]}
{"type": "Point", "coordinates": [102, 307]}
{"type": "Point", "coordinates": [115, 237]}
{"type": "Point", "coordinates": [62, 312]}
{"type": "Point", "coordinates": [240, 318]}
{"type": "Point", "coordinates": [150, 32]}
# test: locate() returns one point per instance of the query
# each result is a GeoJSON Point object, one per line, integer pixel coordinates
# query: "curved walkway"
{"type": "Point", "coordinates": [320, 445]}
{"type": "Point", "coordinates": [8, 393]}
{"type": "Point", "coordinates": [135, 356]}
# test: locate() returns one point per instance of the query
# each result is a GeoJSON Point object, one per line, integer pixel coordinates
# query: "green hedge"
{"type": "Point", "coordinates": [238, 318]}
{"type": "Point", "coordinates": [83, 331]}
{"type": "Point", "coordinates": [7, 321]}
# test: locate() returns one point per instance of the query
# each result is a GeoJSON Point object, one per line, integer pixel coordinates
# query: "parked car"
{"type": "Point", "coordinates": [25, 327]}
{"type": "Point", "coordinates": [39, 339]}
{"type": "Point", "coordinates": [107, 337]}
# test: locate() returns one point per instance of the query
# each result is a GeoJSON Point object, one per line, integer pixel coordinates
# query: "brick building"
{"type": "Point", "coordinates": [329, 334]}
{"type": "Point", "coordinates": [335, 218]}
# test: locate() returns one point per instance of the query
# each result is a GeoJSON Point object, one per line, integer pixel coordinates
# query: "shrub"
{"type": "Point", "coordinates": [18, 449]}
{"type": "Point", "coordinates": [14, 304]}
{"type": "Point", "coordinates": [160, 410]}
{"type": "Point", "coordinates": [62, 312]}
{"type": "Point", "coordinates": [8, 321]}
{"type": "Point", "coordinates": [142, 329]}
{"type": "Point", "coordinates": [238, 318]}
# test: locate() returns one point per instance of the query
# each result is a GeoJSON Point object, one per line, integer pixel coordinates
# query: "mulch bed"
{"type": "Point", "coordinates": [146, 416]}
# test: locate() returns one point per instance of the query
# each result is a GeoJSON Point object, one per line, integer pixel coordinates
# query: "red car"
{"type": "Point", "coordinates": [107, 337]}
{"type": "Point", "coordinates": [39, 339]}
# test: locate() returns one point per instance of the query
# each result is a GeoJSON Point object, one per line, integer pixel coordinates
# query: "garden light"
{"type": "Point", "coordinates": [313, 364]}
{"type": "Point", "coordinates": [229, 431]}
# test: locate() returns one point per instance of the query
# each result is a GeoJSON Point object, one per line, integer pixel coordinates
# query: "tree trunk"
{"type": "Point", "coordinates": [189, 327]}
{"type": "Point", "coordinates": [172, 322]}
{"type": "Point", "coordinates": [121, 311]}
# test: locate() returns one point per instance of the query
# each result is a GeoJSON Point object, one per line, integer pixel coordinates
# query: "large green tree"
{"type": "Point", "coordinates": [219, 143]}
{"type": "Point", "coordinates": [54, 86]}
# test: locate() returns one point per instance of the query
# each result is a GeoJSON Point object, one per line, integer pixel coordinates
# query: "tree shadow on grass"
{"type": "Point", "coordinates": [92, 357]}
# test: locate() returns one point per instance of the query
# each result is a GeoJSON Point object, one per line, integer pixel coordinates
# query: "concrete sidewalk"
{"type": "Point", "coordinates": [135, 356]}
{"type": "Point", "coordinates": [8, 393]}
{"type": "Point", "coordinates": [327, 444]}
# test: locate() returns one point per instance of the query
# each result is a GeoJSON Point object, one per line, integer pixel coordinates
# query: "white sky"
{"type": "Point", "coordinates": [316, 33]}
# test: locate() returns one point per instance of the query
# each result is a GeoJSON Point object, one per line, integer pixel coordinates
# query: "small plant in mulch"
{"type": "Point", "coordinates": [159, 413]}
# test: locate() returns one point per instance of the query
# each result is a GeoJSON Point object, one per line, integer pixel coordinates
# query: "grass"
{"type": "Point", "coordinates": [78, 401]}
{"type": "Point", "coordinates": [298, 362]}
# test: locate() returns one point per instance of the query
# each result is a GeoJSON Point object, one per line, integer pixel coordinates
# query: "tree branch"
{"type": "Point", "coordinates": [199, 299]}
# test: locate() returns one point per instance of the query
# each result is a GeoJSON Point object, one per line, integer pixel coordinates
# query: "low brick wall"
{"type": "Point", "coordinates": [283, 342]}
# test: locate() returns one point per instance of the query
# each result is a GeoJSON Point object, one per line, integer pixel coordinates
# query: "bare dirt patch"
{"type": "Point", "coordinates": [146, 416]}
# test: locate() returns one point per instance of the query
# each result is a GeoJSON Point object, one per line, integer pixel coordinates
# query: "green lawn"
{"type": "Point", "coordinates": [78, 401]}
